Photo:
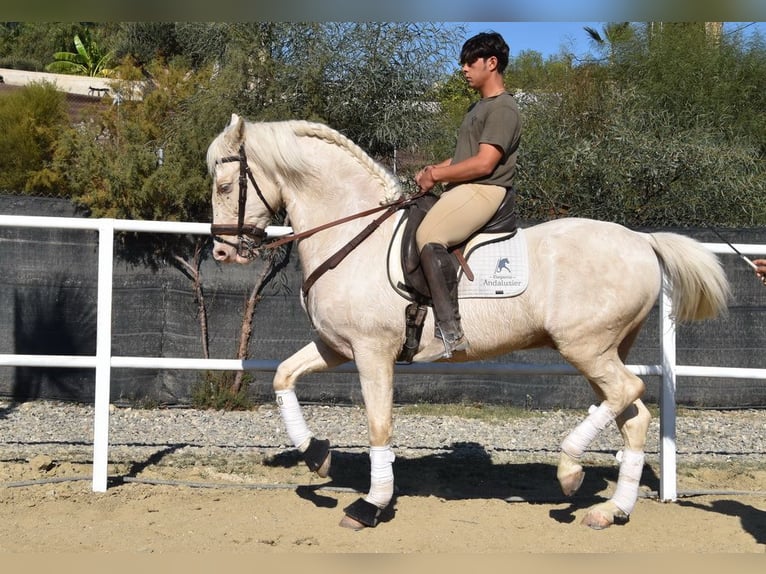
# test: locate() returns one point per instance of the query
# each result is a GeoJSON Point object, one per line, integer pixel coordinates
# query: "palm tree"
{"type": "Point", "coordinates": [615, 33]}
{"type": "Point", "coordinates": [88, 60]}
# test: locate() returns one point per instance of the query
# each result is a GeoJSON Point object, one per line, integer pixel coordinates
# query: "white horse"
{"type": "Point", "coordinates": [591, 285]}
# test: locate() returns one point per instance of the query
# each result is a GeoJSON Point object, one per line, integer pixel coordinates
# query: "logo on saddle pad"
{"type": "Point", "coordinates": [502, 264]}
{"type": "Point", "coordinates": [499, 265]}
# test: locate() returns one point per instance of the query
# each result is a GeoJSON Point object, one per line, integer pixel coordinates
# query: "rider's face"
{"type": "Point", "coordinates": [477, 72]}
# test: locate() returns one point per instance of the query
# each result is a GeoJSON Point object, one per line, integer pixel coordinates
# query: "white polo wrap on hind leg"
{"type": "Point", "coordinates": [631, 467]}
{"type": "Point", "coordinates": [583, 434]}
{"type": "Point", "coordinates": [381, 476]}
{"type": "Point", "coordinates": [292, 416]}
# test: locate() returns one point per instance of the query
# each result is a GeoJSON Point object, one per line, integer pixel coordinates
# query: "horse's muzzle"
{"type": "Point", "coordinates": [249, 238]}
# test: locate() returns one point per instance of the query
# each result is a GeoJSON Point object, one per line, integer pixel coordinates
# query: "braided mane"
{"type": "Point", "coordinates": [272, 145]}
{"type": "Point", "coordinates": [391, 187]}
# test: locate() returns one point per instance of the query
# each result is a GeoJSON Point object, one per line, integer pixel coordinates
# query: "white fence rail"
{"type": "Point", "coordinates": [103, 361]}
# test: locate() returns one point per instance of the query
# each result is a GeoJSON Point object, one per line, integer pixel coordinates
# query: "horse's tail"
{"type": "Point", "coordinates": [699, 287]}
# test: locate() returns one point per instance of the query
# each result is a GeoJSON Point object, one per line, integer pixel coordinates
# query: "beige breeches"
{"type": "Point", "coordinates": [458, 213]}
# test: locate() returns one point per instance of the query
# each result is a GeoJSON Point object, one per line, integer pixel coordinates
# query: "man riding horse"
{"type": "Point", "coordinates": [478, 177]}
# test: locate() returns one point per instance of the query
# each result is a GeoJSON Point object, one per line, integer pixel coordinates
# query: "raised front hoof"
{"type": "Point", "coordinates": [571, 482]}
{"type": "Point", "coordinates": [318, 456]}
{"type": "Point", "coordinates": [324, 468]}
{"type": "Point", "coordinates": [603, 516]}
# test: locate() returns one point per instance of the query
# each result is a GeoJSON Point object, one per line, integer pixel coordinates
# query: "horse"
{"type": "Point", "coordinates": [591, 286]}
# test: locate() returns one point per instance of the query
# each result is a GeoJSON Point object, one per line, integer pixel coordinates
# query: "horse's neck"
{"type": "Point", "coordinates": [339, 181]}
{"type": "Point", "coordinates": [334, 212]}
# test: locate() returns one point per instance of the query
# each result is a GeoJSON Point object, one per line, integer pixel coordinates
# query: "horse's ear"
{"type": "Point", "coordinates": [235, 131]}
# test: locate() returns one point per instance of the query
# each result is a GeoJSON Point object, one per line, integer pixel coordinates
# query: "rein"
{"type": "Point", "coordinates": [251, 237]}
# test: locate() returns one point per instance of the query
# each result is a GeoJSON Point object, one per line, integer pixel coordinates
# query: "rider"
{"type": "Point", "coordinates": [478, 176]}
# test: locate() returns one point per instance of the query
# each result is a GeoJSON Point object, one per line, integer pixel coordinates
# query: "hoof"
{"type": "Point", "coordinates": [596, 520]}
{"type": "Point", "coordinates": [318, 456]}
{"type": "Point", "coordinates": [324, 468]}
{"type": "Point", "coordinates": [351, 523]}
{"type": "Point", "coordinates": [604, 515]}
{"type": "Point", "coordinates": [571, 482]}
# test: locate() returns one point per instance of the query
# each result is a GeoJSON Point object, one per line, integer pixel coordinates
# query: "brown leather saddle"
{"type": "Point", "coordinates": [504, 221]}
{"type": "Point", "coordinates": [414, 282]}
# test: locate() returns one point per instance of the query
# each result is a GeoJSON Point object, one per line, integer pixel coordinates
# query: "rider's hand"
{"type": "Point", "coordinates": [424, 179]}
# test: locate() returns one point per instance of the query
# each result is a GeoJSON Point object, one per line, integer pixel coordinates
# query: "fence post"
{"type": "Point", "coordinates": [667, 395]}
{"type": "Point", "coordinates": [103, 354]}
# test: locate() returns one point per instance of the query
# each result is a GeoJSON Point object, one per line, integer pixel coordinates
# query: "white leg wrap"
{"type": "Point", "coordinates": [631, 467]}
{"type": "Point", "coordinates": [583, 434]}
{"type": "Point", "coordinates": [292, 416]}
{"type": "Point", "coordinates": [381, 476]}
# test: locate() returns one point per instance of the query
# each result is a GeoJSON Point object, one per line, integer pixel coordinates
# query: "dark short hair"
{"type": "Point", "coordinates": [485, 45]}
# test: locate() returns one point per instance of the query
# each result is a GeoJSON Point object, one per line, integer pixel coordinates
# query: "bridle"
{"type": "Point", "coordinates": [249, 237]}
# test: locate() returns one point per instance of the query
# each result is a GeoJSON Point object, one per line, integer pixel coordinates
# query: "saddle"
{"type": "Point", "coordinates": [502, 223]}
{"type": "Point", "coordinates": [413, 283]}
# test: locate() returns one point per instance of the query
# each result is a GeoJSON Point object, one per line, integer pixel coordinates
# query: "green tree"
{"type": "Point", "coordinates": [666, 134]}
{"type": "Point", "coordinates": [88, 59]}
{"type": "Point", "coordinates": [29, 45]}
{"type": "Point", "coordinates": [368, 80]}
{"type": "Point", "coordinates": [613, 40]}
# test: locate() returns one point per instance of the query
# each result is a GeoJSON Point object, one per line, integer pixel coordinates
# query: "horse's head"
{"type": "Point", "coordinates": [241, 212]}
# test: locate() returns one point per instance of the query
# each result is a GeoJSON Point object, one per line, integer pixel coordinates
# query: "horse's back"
{"type": "Point", "coordinates": [587, 275]}
{"type": "Point", "coordinates": [583, 248]}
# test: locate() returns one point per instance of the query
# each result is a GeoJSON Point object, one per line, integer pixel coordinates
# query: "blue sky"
{"type": "Point", "coordinates": [548, 37]}
{"type": "Point", "coordinates": [543, 37]}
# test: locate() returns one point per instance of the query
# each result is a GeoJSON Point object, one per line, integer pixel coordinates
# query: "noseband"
{"type": "Point", "coordinates": [249, 237]}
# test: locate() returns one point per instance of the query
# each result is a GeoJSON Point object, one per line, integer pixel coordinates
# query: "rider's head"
{"type": "Point", "coordinates": [485, 45]}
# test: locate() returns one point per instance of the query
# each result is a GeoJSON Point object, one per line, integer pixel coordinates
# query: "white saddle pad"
{"type": "Point", "coordinates": [500, 266]}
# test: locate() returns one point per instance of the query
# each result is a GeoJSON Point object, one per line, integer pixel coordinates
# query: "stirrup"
{"type": "Point", "coordinates": [439, 348]}
{"type": "Point", "coordinates": [460, 344]}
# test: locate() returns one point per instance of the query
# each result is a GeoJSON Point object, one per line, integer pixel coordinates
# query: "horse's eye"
{"type": "Point", "coordinates": [224, 188]}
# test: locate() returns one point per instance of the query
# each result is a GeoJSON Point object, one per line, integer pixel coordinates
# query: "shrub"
{"type": "Point", "coordinates": [31, 120]}
{"type": "Point", "coordinates": [214, 391]}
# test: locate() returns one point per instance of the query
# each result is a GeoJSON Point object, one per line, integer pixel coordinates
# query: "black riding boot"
{"type": "Point", "coordinates": [442, 282]}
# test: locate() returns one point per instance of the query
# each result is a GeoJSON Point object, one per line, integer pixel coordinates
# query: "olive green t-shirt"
{"type": "Point", "coordinates": [496, 121]}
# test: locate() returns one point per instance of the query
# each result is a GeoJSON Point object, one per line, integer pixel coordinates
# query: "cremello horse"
{"type": "Point", "coordinates": [591, 286]}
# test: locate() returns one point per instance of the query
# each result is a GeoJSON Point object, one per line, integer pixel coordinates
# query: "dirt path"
{"type": "Point", "coordinates": [444, 503]}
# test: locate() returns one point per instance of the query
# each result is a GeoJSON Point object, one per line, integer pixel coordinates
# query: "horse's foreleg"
{"type": "Point", "coordinates": [376, 377]}
{"type": "Point", "coordinates": [313, 357]}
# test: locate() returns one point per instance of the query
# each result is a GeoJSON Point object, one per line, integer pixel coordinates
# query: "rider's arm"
{"type": "Point", "coordinates": [477, 166]}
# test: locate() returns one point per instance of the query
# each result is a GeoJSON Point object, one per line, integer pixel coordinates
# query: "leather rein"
{"type": "Point", "coordinates": [250, 238]}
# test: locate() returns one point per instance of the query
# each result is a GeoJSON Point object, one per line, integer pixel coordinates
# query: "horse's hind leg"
{"type": "Point", "coordinates": [315, 356]}
{"type": "Point", "coordinates": [619, 390]}
{"type": "Point", "coordinates": [633, 424]}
